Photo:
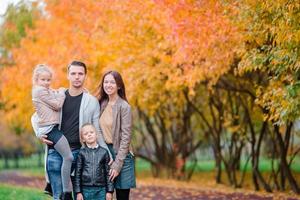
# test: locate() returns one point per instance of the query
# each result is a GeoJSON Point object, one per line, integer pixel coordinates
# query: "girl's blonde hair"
{"type": "Point", "coordinates": [85, 125]}
{"type": "Point", "coordinates": [40, 68]}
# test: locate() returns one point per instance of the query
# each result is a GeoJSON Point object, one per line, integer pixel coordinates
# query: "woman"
{"type": "Point", "coordinates": [116, 122]}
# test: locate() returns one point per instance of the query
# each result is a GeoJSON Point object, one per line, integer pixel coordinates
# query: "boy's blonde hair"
{"type": "Point", "coordinates": [40, 68]}
{"type": "Point", "coordinates": [80, 134]}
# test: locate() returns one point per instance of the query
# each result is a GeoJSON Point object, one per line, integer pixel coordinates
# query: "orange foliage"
{"type": "Point", "coordinates": [160, 47]}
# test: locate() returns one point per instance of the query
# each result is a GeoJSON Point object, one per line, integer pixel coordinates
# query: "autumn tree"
{"type": "Point", "coordinates": [195, 71]}
{"type": "Point", "coordinates": [271, 48]}
{"type": "Point", "coordinates": [160, 55]}
{"type": "Point", "coordinates": [17, 19]}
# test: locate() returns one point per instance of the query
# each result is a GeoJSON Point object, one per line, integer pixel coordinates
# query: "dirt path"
{"type": "Point", "coordinates": [147, 191]}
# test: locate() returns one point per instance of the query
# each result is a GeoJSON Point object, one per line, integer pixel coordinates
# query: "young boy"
{"type": "Point", "coordinates": [92, 169]}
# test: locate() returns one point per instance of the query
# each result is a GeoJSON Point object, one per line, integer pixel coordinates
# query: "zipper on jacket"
{"type": "Point", "coordinates": [93, 177]}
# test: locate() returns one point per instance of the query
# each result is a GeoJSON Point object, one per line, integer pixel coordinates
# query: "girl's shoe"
{"type": "Point", "coordinates": [48, 189]}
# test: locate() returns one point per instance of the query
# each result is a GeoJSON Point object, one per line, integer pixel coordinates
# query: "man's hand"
{"type": "Point", "coordinates": [44, 140]}
{"type": "Point", "coordinates": [108, 196]}
{"type": "Point", "coordinates": [79, 196]}
{"type": "Point", "coordinates": [62, 89]}
{"type": "Point", "coordinates": [85, 90]}
{"type": "Point", "coordinates": [113, 174]}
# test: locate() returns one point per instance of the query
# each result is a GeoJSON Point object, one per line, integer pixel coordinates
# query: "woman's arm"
{"type": "Point", "coordinates": [109, 183]}
{"type": "Point", "coordinates": [126, 125]}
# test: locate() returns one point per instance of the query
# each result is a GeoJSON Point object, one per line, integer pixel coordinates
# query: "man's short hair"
{"type": "Point", "coordinates": [78, 63]}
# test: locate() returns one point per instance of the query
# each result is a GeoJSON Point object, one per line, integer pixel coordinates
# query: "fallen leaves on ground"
{"type": "Point", "coordinates": [163, 189]}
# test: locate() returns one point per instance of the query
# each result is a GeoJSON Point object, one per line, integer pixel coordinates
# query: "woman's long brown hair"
{"type": "Point", "coordinates": [102, 96]}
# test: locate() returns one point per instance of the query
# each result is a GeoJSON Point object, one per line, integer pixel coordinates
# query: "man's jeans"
{"type": "Point", "coordinates": [54, 163]}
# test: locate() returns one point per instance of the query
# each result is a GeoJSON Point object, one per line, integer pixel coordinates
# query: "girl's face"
{"type": "Point", "coordinates": [109, 85]}
{"type": "Point", "coordinates": [44, 79]}
{"type": "Point", "coordinates": [89, 135]}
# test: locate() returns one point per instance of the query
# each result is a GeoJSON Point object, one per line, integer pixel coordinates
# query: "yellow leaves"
{"type": "Point", "coordinates": [275, 99]}
{"type": "Point", "coordinates": [272, 39]}
{"type": "Point", "coordinates": [206, 30]}
{"type": "Point", "coordinates": [160, 47]}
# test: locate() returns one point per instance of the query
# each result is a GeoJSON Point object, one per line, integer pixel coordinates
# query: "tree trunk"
{"type": "Point", "coordinates": [256, 175]}
{"type": "Point", "coordinates": [282, 178]}
{"type": "Point", "coordinates": [16, 159]}
{"type": "Point", "coordinates": [6, 163]}
{"type": "Point", "coordinates": [218, 161]}
{"type": "Point", "coordinates": [283, 162]}
{"type": "Point", "coordinates": [256, 161]}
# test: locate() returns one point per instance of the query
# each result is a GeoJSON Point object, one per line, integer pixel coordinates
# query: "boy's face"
{"type": "Point", "coordinates": [89, 135]}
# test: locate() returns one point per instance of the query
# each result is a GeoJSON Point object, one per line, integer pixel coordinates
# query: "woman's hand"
{"type": "Point", "coordinates": [79, 196]}
{"type": "Point", "coordinates": [113, 174]}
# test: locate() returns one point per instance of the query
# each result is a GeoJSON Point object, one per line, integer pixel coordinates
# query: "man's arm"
{"type": "Point", "coordinates": [44, 140]}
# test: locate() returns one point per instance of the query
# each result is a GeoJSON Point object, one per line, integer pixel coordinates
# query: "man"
{"type": "Point", "coordinates": [79, 108]}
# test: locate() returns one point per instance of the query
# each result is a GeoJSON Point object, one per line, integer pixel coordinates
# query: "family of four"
{"type": "Point", "coordinates": [88, 138]}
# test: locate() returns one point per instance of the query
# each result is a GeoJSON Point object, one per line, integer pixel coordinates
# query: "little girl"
{"type": "Point", "coordinates": [48, 103]}
{"type": "Point", "coordinates": [92, 169]}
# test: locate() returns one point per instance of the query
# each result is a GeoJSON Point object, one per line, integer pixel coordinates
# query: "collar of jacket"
{"type": "Point", "coordinates": [115, 106]}
{"type": "Point", "coordinates": [93, 147]}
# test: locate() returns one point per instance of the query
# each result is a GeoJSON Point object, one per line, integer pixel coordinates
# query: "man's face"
{"type": "Point", "coordinates": [76, 76]}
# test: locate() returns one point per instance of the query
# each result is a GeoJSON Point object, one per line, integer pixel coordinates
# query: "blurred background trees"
{"type": "Point", "coordinates": [218, 75]}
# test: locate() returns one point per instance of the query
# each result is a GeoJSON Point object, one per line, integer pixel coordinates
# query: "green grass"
{"type": "Point", "coordinates": [142, 165]}
{"type": "Point", "coordinates": [27, 162]}
{"type": "Point", "coordinates": [265, 165]}
{"type": "Point", "coordinates": [31, 165]}
{"type": "Point", "coordinates": [9, 192]}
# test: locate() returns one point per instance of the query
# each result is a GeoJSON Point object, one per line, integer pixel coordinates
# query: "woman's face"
{"type": "Point", "coordinates": [109, 85]}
